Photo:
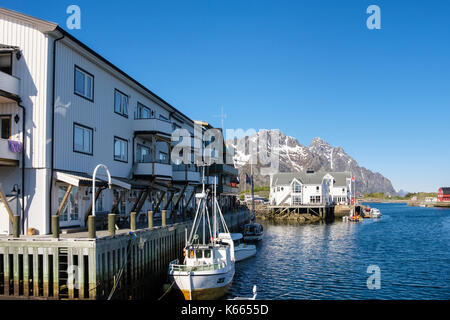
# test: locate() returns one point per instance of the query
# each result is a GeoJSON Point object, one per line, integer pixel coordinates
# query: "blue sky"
{"type": "Point", "coordinates": [308, 68]}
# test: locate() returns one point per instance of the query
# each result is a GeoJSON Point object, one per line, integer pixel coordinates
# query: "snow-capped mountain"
{"type": "Point", "coordinates": [319, 156]}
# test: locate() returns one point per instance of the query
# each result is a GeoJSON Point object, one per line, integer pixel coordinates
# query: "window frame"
{"type": "Point", "coordinates": [92, 138]}
{"type": "Point", "coordinates": [11, 62]}
{"type": "Point", "coordinates": [114, 149]}
{"type": "Point", "coordinates": [141, 105]}
{"type": "Point", "coordinates": [9, 116]}
{"type": "Point", "coordinates": [125, 115]}
{"type": "Point", "coordinates": [75, 82]}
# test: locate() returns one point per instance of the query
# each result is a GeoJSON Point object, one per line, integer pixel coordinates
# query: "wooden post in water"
{"type": "Point", "coordinates": [55, 226]}
{"type": "Point", "coordinates": [112, 224]}
{"type": "Point", "coordinates": [163, 217]}
{"type": "Point", "coordinates": [133, 221]}
{"type": "Point", "coordinates": [91, 227]}
{"type": "Point", "coordinates": [150, 219]}
{"type": "Point", "coordinates": [16, 226]}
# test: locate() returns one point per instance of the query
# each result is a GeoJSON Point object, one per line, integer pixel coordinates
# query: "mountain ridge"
{"type": "Point", "coordinates": [293, 156]}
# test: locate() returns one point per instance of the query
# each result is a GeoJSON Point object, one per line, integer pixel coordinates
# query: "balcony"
{"type": "Point", "coordinates": [9, 87]}
{"type": "Point", "coordinates": [7, 157]}
{"type": "Point", "coordinates": [157, 169]}
{"type": "Point", "coordinates": [186, 174]}
{"type": "Point", "coordinates": [224, 169]}
{"type": "Point", "coordinates": [153, 125]}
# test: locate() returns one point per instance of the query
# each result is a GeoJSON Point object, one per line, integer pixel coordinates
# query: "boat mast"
{"type": "Point", "coordinates": [253, 193]}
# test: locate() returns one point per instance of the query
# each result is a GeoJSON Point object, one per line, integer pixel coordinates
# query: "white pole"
{"type": "Point", "coordinates": [93, 184]}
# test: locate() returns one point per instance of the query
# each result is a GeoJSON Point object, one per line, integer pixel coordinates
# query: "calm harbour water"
{"type": "Point", "coordinates": [411, 246]}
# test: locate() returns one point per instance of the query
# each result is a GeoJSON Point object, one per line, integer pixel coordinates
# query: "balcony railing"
{"type": "Point", "coordinates": [153, 125]}
{"type": "Point", "coordinates": [9, 84]}
{"type": "Point", "coordinates": [153, 169]}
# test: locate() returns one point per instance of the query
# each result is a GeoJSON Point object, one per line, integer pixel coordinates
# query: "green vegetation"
{"type": "Point", "coordinates": [262, 191]}
{"type": "Point", "coordinates": [409, 196]}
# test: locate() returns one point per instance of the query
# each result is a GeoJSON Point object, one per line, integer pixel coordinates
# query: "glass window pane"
{"type": "Point", "coordinates": [117, 149]}
{"type": "Point", "coordinates": [117, 102]}
{"type": "Point", "coordinates": [79, 82]}
{"type": "Point", "coordinates": [89, 87]}
{"type": "Point", "coordinates": [125, 105]}
{"type": "Point", "coordinates": [78, 139]}
{"type": "Point", "coordinates": [87, 141]}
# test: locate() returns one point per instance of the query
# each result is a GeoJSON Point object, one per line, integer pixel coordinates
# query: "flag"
{"type": "Point", "coordinates": [248, 179]}
{"type": "Point", "coordinates": [353, 179]}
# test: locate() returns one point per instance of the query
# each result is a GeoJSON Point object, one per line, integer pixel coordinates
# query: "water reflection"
{"type": "Point", "coordinates": [329, 261]}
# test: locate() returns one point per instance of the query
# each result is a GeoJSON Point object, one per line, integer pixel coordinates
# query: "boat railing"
{"type": "Point", "coordinates": [204, 267]}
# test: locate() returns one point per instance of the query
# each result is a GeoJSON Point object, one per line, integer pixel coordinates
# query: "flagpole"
{"type": "Point", "coordinates": [253, 193]}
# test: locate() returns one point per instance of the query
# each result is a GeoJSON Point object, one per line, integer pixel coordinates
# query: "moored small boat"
{"type": "Point", "coordinates": [242, 250]}
{"type": "Point", "coordinates": [253, 232]}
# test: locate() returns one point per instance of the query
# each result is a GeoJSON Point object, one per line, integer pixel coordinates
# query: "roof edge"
{"type": "Point", "coordinates": [43, 26]}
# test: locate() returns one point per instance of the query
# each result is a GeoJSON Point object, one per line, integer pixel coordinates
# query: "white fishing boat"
{"type": "Point", "coordinates": [208, 267]}
{"type": "Point", "coordinates": [242, 250]}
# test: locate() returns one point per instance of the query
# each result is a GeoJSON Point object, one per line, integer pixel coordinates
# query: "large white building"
{"type": "Point", "coordinates": [300, 188]}
{"type": "Point", "coordinates": [71, 109]}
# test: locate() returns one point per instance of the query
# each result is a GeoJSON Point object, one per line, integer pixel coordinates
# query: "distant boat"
{"type": "Point", "coordinates": [253, 232]}
{"type": "Point", "coordinates": [375, 213]}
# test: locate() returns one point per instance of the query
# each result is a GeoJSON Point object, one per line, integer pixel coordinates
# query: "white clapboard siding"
{"type": "Point", "coordinates": [32, 70]}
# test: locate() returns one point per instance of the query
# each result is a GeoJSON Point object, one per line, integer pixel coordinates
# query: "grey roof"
{"type": "Point", "coordinates": [285, 178]}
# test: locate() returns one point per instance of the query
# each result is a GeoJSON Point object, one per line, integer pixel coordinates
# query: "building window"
{"type": "Point", "coordinates": [5, 127]}
{"type": "Point", "coordinates": [120, 103]}
{"type": "Point", "coordinates": [297, 188]}
{"type": "Point", "coordinates": [120, 149]}
{"type": "Point", "coordinates": [163, 158]}
{"type": "Point", "coordinates": [142, 112]}
{"type": "Point", "coordinates": [84, 84]}
{"type": "Point", "coordinates": [161, 117]}
{"type": "Point", "coordinates": [296, 200]}
{"type": "Point", "coordinates": [6, 62]}
{"type": "Point", "coordinates": [143, 154]}
{"type": "Point", "coordinates": [82, 139]}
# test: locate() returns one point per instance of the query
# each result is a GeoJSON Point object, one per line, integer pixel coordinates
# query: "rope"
{"type": "Point", "coordinates": [168, 289]}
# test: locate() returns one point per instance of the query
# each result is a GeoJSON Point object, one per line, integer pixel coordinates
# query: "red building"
{"type": "Point", "coordinates": [444, 194]}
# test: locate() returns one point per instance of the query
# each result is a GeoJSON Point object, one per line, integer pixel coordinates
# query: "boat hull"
{"type": "Point", "coordinates": [242, 253]}
{"type": "Point", "coordinates": [257, 237]}
{"type": "Point", "coordinates": [203, 285]}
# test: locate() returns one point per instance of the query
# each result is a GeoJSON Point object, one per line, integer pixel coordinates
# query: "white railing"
{"type": "Point", "coordinates": [9, 83]}
{"type": "Point", "coordinates": [203, 267]}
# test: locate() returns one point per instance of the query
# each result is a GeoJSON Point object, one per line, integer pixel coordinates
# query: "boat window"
{"type": "Point", "coordinates": [207, 253]}
{"type": "Point", "coordinates": [191, 254]}
{"type": "Point", "coordinates": [199, 254]}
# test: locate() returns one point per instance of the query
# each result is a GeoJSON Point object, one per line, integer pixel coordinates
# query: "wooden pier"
{"type": "Point", "coordinates": [322, 211]}
{"type": "Point", "coordinates": [74, 266]}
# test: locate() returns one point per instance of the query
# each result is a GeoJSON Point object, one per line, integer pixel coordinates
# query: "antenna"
{"type": "Point", "coordinates": [222, 117]}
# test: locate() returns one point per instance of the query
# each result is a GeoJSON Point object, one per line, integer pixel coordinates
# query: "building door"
{"type": "Point", "coordinates": [70, 215]}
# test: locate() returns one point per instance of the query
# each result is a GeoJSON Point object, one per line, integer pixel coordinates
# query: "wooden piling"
{"type": "Point", "coordinates": [133, 221]}
{"type": "Point", "coordinates": [112, 224]}
{"type": "Point", "coordinates": [150, 219]}
{"type": "Point", "coordinates": [16, 226]}
{"type": "Point", "coordinates": [91, 227]}
{"type": "Point", "coordinates": [163, 217]}
{"type": "Point", "coordinates": [55, 226]}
